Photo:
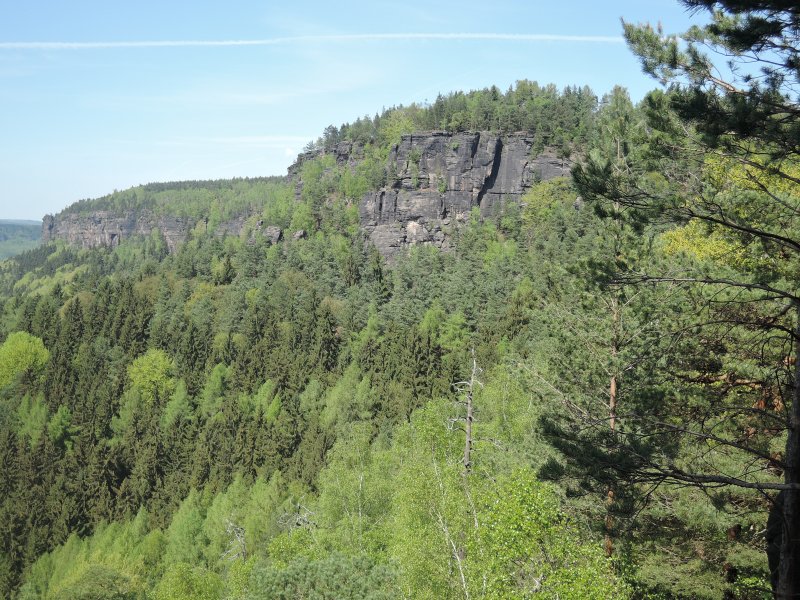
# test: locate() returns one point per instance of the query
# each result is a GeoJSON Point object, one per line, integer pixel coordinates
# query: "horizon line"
{"type": "Point", "coordinates": [511, 37]}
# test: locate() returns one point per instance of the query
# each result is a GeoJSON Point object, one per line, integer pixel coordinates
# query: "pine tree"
{"type": "Point", "coordinates": [728, 149]}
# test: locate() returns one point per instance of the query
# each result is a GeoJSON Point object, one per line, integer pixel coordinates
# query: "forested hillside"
{"type": "Point", "coordinates": [218, 200]}
{"type": "Point", "coordinates": [589, 393]}
{"type": "Point", "coordinates": [18, 236]}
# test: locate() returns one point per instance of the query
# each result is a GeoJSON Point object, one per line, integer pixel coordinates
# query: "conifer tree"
{"type": "Point", "coordinates": [727, 140]}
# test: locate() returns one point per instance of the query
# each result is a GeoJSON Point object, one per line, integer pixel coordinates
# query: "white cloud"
{"type": "Point", "coordinates": [317, 39]}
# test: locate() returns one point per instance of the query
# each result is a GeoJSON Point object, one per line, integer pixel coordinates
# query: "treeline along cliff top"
{"type": "Point", "coordinates": [511, 344]}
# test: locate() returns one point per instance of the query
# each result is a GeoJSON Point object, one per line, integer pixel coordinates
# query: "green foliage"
{"type": "Point", "coordinates": [396, 124]}
{"type": "Point", "coordinates": [178, 408]}
{"type": "Point", "coordinates": [355, 495]}
{"type": "Point", "coordinates": [214, 390]}
{"type": "Point", "coordinates": [151, 376]}
{"type": "Point", "coordinates": [720, 164]}
{"type": "Point", "coordinates": [336, 577]}
{"type": "Point", "coordinates": [295, 544]}
{"type": "Point", "coordinates": [184, 582]}
{"type": "Point", "coordinates": [526, 548]}
{"type": "Point", "coordinates": [60, 428]}
{"type": "Point", "coordinates": [347, 400]}
{"type": "Point", "coordinates": [283, 420]}
{"type": "Point", "coordinates": [218, 201]}
{"type": "Point", "coordinates": [97, 582]}
{"type": "Point", "coordinates": [21, 356]}
{"type": "Point", "coordinates": [430, 511]}
{"type": "Point", "coordinates": [557, 118]}
{"type": "Point", "coordinates": [116, 562]}
{"type": "Point", "coordinates": [314, 419]}
{"type": "Point", "coordinates": [32, 415]}
{"type": "Point", "coordinates": [184, 535]}
{"type": "Point", "coordinates": [273, 410]}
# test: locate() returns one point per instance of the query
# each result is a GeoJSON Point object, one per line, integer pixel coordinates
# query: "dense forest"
{"type": "Point", "coordinates": [221, 199]}
{"type": "Point", "coordinates": [591, 394]}
{"type": "Point", "coordinates": [18, 236]}
{"type": "Point", "coordinates": [557, 118]}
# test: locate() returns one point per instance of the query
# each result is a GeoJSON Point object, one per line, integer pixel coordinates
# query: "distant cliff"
{"type": "Point", "coordinates": [434, 180]}
{"type": "Point", "coordinates": [108, 228]}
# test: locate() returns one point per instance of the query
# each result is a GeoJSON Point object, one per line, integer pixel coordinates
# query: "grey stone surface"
{"type": "Point", "coordinates": [273, 233]}
{"type": "Point", "coordinates": [108, 229]}
{"type": "Point", "coordinates": [105, 228]}
{"type": "Point", "coordinates": [434, 181]}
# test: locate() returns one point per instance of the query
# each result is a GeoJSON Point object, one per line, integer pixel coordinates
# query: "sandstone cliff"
{"type": "Point", "coordinates": [434, 180]}
{"type": "Point", "coordinates": [106, 228]}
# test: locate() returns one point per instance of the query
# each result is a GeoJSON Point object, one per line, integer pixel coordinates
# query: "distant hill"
{"type": "Point", "coordinates": [18, 235]}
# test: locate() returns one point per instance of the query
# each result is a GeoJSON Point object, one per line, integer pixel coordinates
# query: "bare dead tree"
{"type": "Point", "coordinates": [237, 547]}
{"type": "Point", "coordinates": [467, 389]}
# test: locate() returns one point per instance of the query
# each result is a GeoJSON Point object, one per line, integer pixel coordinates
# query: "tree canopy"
{"type": "Point", "coordinates": [590, 394]}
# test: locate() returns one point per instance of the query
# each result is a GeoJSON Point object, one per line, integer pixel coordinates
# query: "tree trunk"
{"type": "Point", "coordinates": [612, 421]}
{"type": "Point", "coordinates": [468, 430]}
{"type": "Point", "coordinates": [789, 569]}
{"type": "Point", "coordinates": [470, 416]}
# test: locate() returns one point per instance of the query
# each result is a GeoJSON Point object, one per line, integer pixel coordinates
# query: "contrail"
{"type": "Point", "coordinates": [278, 41]}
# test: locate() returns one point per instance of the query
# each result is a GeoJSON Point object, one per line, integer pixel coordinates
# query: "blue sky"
{"type": "Point", "coordinates": [97, 96]}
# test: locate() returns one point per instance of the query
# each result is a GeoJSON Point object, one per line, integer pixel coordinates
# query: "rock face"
{"type": "Point", "coordinates": [108, 229]}
{"type": "Point", "coordinates": [273, 233]}
{"type": "Point", "coordinates": [105, 228]}
{"type": "Point", "coordinates": [436, 179]}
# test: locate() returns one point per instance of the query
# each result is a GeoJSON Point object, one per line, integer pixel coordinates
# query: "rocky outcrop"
{"type": "Point", "coordinates": [273, 233]}
{"type": "Point", "coordinates": [436, 179]}
{"type": "Point", "coordinates": [106, 228]}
